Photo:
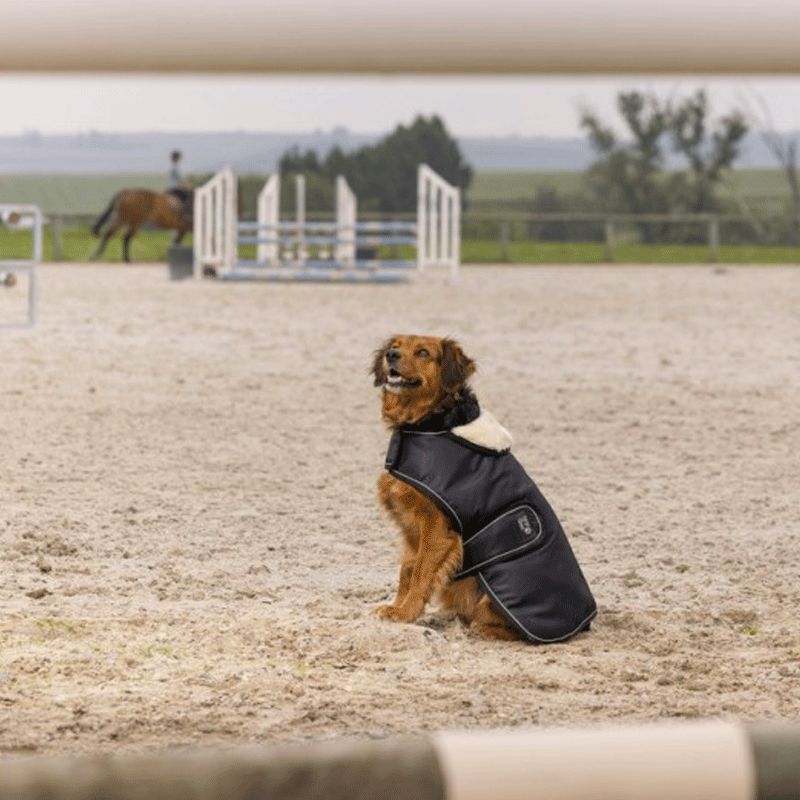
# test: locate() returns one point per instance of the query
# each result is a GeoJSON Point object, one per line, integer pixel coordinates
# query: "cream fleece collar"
{"type": "Point", "coordinates": [485, 431]}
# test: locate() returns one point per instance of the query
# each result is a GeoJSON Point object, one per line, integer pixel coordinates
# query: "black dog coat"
{"type": "Point", "coordinates": [513, 541]}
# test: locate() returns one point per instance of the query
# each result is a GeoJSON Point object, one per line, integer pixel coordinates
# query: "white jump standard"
{"type": "Point", "coordinates": [29, 218]}
{"type": "Point", "coordinates": [303, 249]}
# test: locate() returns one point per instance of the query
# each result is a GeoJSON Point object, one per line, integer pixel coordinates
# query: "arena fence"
{"type": "Point", "coordinates": [23, 218]}
{"type": "Point", "coordinates": [512, 237]}
{"type": "Point", "coordinates": [673, 761]}
{"type": "Point", "coordinates": [612, 230]}
{"type": "Point", "coordinates": [321, 249]}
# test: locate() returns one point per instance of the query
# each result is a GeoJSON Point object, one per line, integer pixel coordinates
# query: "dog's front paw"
{"type": "Point", "coordinates": [394, 614]}
{"type": "Point", "coordinates": [388, 612]}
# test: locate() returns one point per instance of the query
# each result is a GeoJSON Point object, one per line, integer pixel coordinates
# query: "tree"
{"type": "Point", "coordinates": [630, 173]}
{"type": "Point", "coordinates": [627, 174]}
{"type": "Point", "coordinates": [784, 150]}
{"type": "Point", "coordinates": [384, 175]}
{"type": "Point", "coordinates": [294, 161]}
{"type": "Point", "coordinates": [708, 152]}
{"type": "Point", "coordinates": [318, 194]}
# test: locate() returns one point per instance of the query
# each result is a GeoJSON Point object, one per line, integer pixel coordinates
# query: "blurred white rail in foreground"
{"type": "Point", "coordinates": [415, 36]}
{"type": "Point", "coordinates": [691, 761]}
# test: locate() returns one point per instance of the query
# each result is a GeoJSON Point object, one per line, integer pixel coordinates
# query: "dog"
{"type": "Point", "coordinates": [477, 533]}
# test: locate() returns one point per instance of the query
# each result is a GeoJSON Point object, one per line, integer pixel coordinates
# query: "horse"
{"type": "Point", "coordinates": [132, 208]}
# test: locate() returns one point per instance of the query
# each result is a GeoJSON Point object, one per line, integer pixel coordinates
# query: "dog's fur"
{"type": "Point", "coordinates": [425, 383]}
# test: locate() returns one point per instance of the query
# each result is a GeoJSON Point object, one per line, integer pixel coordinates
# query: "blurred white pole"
{"type": "Point", "coordinates": [413, 36]}
{"type": "Point", "coordinates": [300, 217]}
{"type": "Point", "coordinates": [709, 760]}
{"type": "Point", "coordinates": [713, 760]}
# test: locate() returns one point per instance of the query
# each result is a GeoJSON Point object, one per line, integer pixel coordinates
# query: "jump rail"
{"type": "Point", "coordinates": [438, 221]}
{"type": "Point", "coordinates": [215, 221]}
{"type": "Point", "coordinates": [419, 36]}
{"type": "Point", "coordinates": [16, 216]}
{"type": "Point", "coordinates": [268, 211]}
{"type": "Point", "coordinates": [690, 761]}
{"type": "Point", "coordinates": [346, 211]}
{"type": "Point", "coordinates": [304, 249]}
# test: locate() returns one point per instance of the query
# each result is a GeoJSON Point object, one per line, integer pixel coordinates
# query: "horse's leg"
{"type": "Point", "coordinates": [126, 243]}
{"type": "Point", "coordinates": [179, 234]}
{"type": "Point", "coordinates": [104, 241]}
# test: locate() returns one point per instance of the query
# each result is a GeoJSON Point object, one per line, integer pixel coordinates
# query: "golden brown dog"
{"type": "Point", "coordinates": [423, 376]}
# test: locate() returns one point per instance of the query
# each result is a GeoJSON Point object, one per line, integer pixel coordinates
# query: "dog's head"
{"type": "Point", "coordinates": [419, 375]}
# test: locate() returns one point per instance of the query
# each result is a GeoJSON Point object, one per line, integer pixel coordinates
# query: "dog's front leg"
{"type": "Point", "coordinates": [406, 571]}
{"type": "Point", "coordinates": [438, 556]}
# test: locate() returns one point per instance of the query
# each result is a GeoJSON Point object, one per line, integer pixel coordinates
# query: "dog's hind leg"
{"type": "Point", "coordinates": [488, 623]}
{"type": "Point", "coordinates": [461, 597]}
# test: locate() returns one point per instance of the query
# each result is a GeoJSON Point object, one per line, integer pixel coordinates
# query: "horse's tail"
{"type": "Point", "coordinates": [103, 218]}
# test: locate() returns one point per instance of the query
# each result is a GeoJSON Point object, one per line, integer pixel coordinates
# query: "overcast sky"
{"type": "Point", "coordinates": [470, 106]}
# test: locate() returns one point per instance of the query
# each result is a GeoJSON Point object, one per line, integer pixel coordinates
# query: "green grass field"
{"type": "Point", "coordinates": [78, 244]}
{"type": "Point", "coordinates": [508, 187]}
{"type": "Point", "coordinates": [482, 251]}
{"type": "Point", "coordinates": [503, 187]}
{"type": "Point", "coordinates": [71, 194]}
{"type": "Point", "coordinates": [84, 196]}
{"type": "Point", "coordinates": [89, 194]}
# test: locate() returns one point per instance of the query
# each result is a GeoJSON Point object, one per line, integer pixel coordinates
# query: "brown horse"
{"type": "Point", "coordinates": [132, 208]}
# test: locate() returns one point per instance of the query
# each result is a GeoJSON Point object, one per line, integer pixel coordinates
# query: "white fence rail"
{"type": "Point", "coordinates": [698, 760]}
{"type": "Point", "coordinates": [504, 36]}
{"type": "Point", "coordinates": [346, 210]}
{"type": "Point", "coordinates": [438, 222]}
{"type": "Point", "coordinates": [300, 248]}
{"type": "Point", "coordinates": [215, 224]}
{"type": "Point", "coordinates": [268, 247]}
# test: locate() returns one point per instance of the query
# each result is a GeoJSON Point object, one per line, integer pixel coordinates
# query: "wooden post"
{"type": "Point", "coordinates": [609, 229]}
{"type": "Point", "coordinates": [713, 239]}
{"type": "Point", "coordinates": [505, 237]}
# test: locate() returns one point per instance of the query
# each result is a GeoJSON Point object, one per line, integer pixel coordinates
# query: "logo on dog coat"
{"type": "Point", "coordinates": [525, 525]}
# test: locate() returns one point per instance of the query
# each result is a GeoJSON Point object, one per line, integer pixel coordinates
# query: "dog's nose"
{"type": "Point", "coordinates": [393, 356]}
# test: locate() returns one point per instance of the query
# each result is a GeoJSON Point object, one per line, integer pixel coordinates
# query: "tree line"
{"type": "Point", "coordinates": [631, 172]}
{"type": "Point", "coordinates": [634, 171]}
{"type": "Point", "coordinates": [382, 175]}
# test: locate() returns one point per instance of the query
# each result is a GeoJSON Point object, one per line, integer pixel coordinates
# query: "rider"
{"type": "Point", "coordinates": [176, 185]}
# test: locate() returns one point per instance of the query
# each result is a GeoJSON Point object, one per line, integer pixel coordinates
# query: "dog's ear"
{"type": "Point", "coordinates": [376, 370]}
{"type": "Point", "coordinates": [457, 366]}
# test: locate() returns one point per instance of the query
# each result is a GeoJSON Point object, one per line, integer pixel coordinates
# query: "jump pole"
{"type": "Point", "coordinates": [300, 217]}
{"type": "Point", "coordinates": [282, 248]}
{"type": "Point", "coordinates": [711, 760]}
{"type": "Point", "coordinates": [419, 36]}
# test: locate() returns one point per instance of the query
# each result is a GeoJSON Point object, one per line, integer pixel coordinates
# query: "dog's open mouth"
{"type": "Point", "coordinates": [395, 382]}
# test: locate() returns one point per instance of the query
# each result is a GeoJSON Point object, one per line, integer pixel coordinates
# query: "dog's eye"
{"type": "Point", "coordinates": [422, 353]}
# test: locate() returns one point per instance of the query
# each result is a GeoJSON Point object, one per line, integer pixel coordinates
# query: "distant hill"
{"type": "Point", "coordinates": [110, 153]}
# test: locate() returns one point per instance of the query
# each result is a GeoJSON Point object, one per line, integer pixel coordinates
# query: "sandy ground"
{"type": "Point", "coordinates": [192, 552]}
